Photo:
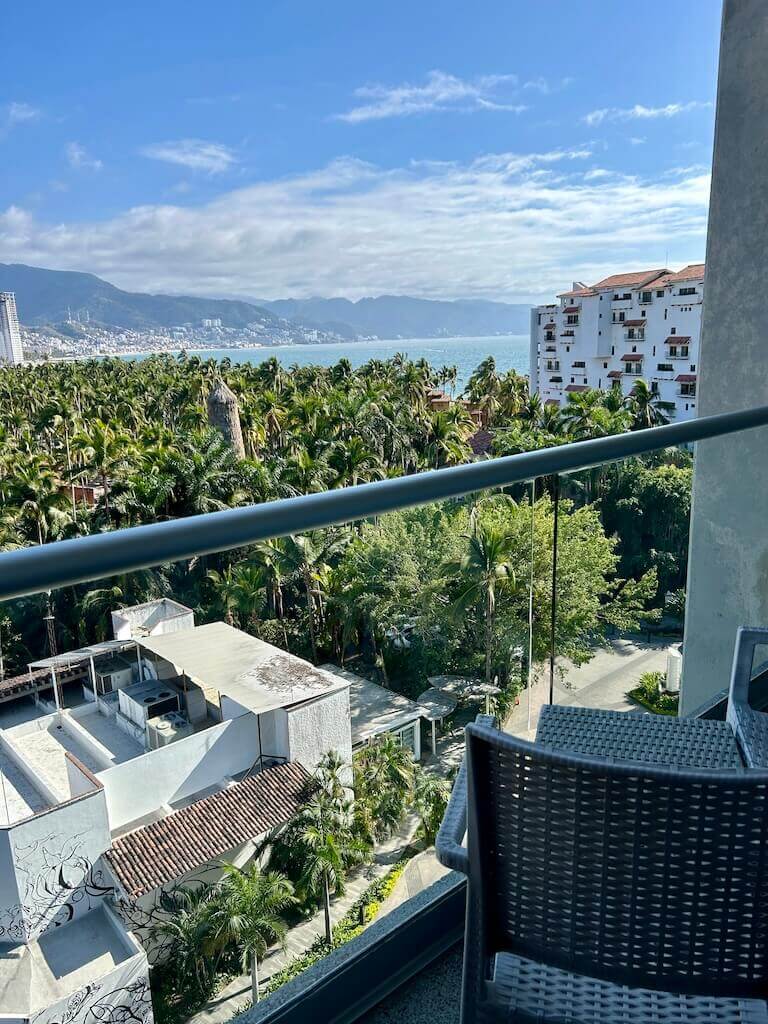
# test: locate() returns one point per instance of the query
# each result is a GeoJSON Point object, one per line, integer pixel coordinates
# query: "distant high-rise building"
{"type": "Point", "coordinates": [10, 335]}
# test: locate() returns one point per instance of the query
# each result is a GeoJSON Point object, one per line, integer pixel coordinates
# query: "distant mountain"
{"type": "Point", "coordinates": [399, 316]}
{"type": "Point", "coordinates": [45, 296]}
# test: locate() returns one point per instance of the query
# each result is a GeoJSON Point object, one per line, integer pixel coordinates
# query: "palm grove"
{"type": "Point", "coordinates": [437, 589]}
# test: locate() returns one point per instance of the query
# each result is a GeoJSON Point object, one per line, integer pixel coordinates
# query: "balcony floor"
{"type": "Point", "coordinates": [432, 997]}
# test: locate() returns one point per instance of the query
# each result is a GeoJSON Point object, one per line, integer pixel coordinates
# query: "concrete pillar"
{"type": "Point", "coordinates": [728, 562]}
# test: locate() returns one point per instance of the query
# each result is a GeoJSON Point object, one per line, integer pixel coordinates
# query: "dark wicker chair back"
{"type": "Point", "coordinates": [643, 876]}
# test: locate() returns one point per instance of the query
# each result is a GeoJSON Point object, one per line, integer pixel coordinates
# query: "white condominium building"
{"type": "Point", "coordinates": [628, 326]}
{"type": "Point", "coordinates": [10, 336]}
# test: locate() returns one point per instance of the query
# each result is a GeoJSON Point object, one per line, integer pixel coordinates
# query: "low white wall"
{"type": "Point", "coordinates": [138, 787]}
{"type": "Point", "coordinates": [97, 750]}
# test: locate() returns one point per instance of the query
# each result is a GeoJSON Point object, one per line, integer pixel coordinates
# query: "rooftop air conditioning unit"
{"type": "Point", "coordinates": [166, 729]}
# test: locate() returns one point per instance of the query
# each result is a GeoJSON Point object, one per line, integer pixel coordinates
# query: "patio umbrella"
{"type": "Point", "coordinates": [487, 690]}
{"type": "Point", "coordinates": [435, 705]}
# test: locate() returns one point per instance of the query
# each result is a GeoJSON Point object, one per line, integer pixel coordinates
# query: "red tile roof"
{"type": "Point", "coordinates": [686, 378]}
{"type": "Point", "coordinates": [553, 401]}
{"type": "Point", "coordinates": [550, 327]}
{"type": "Point", "coordinates": [693, 272]}
{"type": "Point", "coordinates": [578, 387]}
{"type": "Point", "coordinates": [632, 357]}
{"type": "Point", "coordinates": [576, 293]}
{"type": "Point", "coordinates": [633, 279]}
{"type": "Point", "coordinates": [615, 374]}
{"type": "Point", "coordinates": [481, 442]}
{"type": "Point", "coordinates": [634, 323]}
{"type": "Point", "coordinates": [572, 309]}
{"type": "Point", "coordinates": [204, 831]}
{"type": "Point", "coordinates": [673, 339]}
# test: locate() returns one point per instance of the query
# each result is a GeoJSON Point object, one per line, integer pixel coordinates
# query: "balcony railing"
{"type": "Point", "coordinates": [350, 980]}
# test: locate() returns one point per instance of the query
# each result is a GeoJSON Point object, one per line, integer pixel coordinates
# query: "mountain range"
{"type": "Point", "coordinates": [46, 297]}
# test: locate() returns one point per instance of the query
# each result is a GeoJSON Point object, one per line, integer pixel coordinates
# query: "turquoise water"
{"type": "Point", "coordinates": [509, 351]}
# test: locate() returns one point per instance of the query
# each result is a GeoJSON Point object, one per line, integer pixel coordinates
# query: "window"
{"type": "Point", "coordinates": [605, 366]}
{"type": "Point", "coordinates": [665, 314]}
{"type": "Point", "coordinates": [654, 351]}
{"type": "Point", "coordinates": [660, 293]}
{"type": "Point", "coordinates": [580, 363]}
{"type": "Point", "coordinates": [688, 389]}
{"type": "Point", "coordinates": [654, 387]}
{"type": "Point", "coordinates": [573, 379]}
{"type": "Point", "coordinates": [642, 312]}
{"type": "Point", "coordinates": [634, 348]}
{"type": "Point", "coordinates": [573, 318]}
{"type": "Point", "coordinates": [621, 317]}
{"type": "Point", "coordinates": [673, 330]}
{"type": "Point", "coordinates": [687, 291]}
{"type": "Point", "coordinates": [664, 367]}
{"type": "Point", "coordinates": [646, 296]}
{"type": "Point", "coordinates": [693, 367]}
{"type": "Point", "coordinates": [613, 350]}
{"type": "Point", "coordinates": [627, 295]}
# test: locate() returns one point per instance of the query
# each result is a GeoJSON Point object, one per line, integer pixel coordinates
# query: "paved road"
{"type": "Point", "coordinates": [602, 683]}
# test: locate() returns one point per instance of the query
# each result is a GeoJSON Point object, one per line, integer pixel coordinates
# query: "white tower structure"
{"type": "Point", "coordinates": [10, 335]}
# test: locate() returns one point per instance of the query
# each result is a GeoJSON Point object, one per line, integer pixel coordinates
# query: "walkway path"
{"type": "Point", "coordinates": [602, 683]}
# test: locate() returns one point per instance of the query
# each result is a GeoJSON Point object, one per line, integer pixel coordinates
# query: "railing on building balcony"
{"type": "Point", "coordinates": [344, 986]}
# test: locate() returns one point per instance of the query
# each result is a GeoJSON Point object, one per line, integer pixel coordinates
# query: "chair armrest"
{"type": "Point", "coordinates": [450, 852]}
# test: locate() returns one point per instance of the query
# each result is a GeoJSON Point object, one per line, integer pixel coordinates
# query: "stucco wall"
{"type": "Point", "coordinates": [140, 786]}
{"type": "Point", "coordinates": [121, 995]}
{"type": "Point", "coordinates": [318, 726]}
{"type": "Point", "coordinates": [54, 854]}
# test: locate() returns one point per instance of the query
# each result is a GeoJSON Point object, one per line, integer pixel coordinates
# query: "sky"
{"type": "Point", "coordinates": [275, 148]}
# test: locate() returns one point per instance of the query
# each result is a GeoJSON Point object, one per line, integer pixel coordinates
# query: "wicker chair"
{"type": "Point", "coordinates": [749, 725]}
{"type": "Point", "coordinates": [605, 891]}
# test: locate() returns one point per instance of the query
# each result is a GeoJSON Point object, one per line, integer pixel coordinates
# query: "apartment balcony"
{"type": "Point", "coordinates": [550, 348]}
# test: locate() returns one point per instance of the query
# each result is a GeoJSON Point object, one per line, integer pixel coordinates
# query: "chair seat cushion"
{"type": "Point", "coordinates": [524, 992]}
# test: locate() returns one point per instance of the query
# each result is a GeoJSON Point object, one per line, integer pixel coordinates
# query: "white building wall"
{"type": "Point", "coordinates": [121, 995]}
{"type": "Point", "coordinates": [599, 341]}
{"type": "Point", "coordinates": [144, 784]}
{"type": "Point", "coordinates": [320, 725]}
{"type": "Point", "coordinates": [54, 855]}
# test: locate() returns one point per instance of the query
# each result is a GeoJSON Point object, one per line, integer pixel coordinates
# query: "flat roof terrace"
{"type": "Point", "coordinates": [45, 751]}
{"type": "Point", "coordinates": [19, 798]}
{"type": "Point", "coordinates": [62, 961]}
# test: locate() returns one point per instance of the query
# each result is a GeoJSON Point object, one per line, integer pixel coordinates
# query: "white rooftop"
{"type": "Point", "coordinates": [253, 673]}
{"type": "Point", "coordinates": [374, 709]}
{"type": "Point", "coordinates": [59, 963]}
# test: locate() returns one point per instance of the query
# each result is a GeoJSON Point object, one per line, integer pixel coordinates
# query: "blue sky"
{"type": "Point", "coordinates": [266, 149]}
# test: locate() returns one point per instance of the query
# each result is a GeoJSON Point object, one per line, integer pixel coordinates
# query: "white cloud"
{"type": "Point", "coordinates": [637, 140]}
{"type": "Point", "coordinates": [547, 87]}
{"type": "Point", "coordinates": [441, 92]}
{"type": "Point", "coordinates": [642, 113]}
{"type": "Point", "coordinates": [195, 154]}
{"type": "Point", "coordinates": [514, 226]}
{"type": "Point", "coordinates": [15, 113]}
{"type": "Point", "coordinates": [80, 159]}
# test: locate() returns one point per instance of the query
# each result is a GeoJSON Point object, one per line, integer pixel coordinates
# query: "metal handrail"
{"type": "Point", "coordinates": [64, 563]}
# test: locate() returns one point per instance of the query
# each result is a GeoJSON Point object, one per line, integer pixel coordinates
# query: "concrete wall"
{"type": "Point", "coordinates": [728, 562]}
{"type": "Point", "coordinates": [121, 995]}
{"type": "Point", "coordinates": [53, 856]}
{"type": "Point", "coordinates": [318, 726]}
{"type": "Point", "coordinates": [140, 786]}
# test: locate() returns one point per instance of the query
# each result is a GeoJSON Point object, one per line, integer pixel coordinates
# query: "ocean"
{"type": "Point", "coordinates": [510, 352]}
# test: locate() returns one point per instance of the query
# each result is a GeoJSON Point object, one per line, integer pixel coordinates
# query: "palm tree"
{"type": "Point", "coordinates": [431, 795]}
{"type": "Point", "coordinates": [325, 833]}
{"type": "Point", "coordinates": [384, 773]}
{"type": "Point", "coordinates": [104, 450]}
{"type": "Point", "coordinates": [479, 574]}
{"type": "Point", "coordinates": [184, 934]}
{"type": "Point", "coordinates": [246, 912]}
{"type": "Point", "coordinates": [646, 408]}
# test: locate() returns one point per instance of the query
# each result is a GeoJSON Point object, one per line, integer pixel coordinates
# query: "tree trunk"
{"type": "Point", "coordinates": [327, 908]}
{"type": "Point", "coordinates": [310, 612]}
{"type": "Point", "coordinates": [254, 978]}
{"type": "Point", "coordinates": [488, 635]}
